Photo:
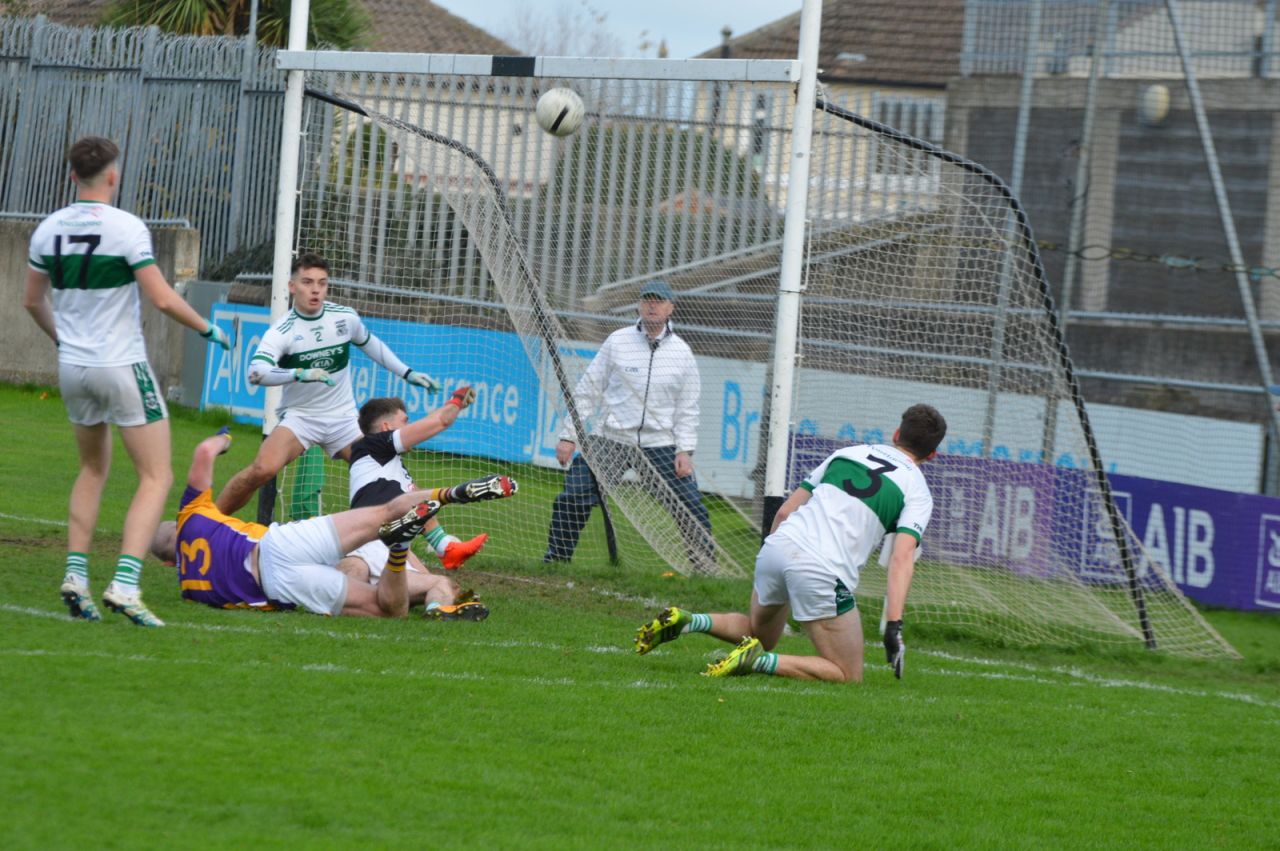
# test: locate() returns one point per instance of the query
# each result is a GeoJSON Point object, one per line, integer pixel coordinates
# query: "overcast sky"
{"type": "Point", "coordinates": [689, 26]}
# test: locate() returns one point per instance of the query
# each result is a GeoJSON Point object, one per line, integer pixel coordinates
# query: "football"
{"type": "Point", "coordinates": [560, 111]}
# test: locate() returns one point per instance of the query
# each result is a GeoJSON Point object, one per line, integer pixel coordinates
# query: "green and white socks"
{"type": "Point", "coordinates": [698, 623]}
{"type": "Point", "coordinates": [765, 663]}
{"type": "Point", "coordinates": [439, 540]}
{"type": "Point", "coordinates": [128, 575]}
{"type": "Point", "coordinates": [77, 569]}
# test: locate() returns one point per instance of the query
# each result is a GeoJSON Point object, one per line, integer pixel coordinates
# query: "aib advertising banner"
{"type": "Point", "coordinates": [1220, 548]}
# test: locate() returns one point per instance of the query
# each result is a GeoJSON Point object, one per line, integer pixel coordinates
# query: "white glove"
{"type": "Point", "coordinates": [216, 335]}
{"type": "Point", "coordinates": [313, 374]}
{"type": "Point", "coordinates": [424, 381]}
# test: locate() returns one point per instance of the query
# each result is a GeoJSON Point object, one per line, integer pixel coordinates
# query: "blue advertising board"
{"type": "Point", "coordinates": [503, 423]}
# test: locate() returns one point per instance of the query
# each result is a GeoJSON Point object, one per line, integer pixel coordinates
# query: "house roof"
{"type": "Point", "coordinates": [906, 42]}
{"type": "Point", "coordinates": [420, 26]}
{"type": "Point", "coordinates": [409, 26]}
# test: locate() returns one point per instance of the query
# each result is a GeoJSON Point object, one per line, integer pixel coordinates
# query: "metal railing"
{"type": "Point", "coordinates": [176, 105]}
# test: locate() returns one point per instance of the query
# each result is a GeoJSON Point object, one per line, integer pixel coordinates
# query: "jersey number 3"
{"type": "Point", "coordinates": [873, 475]}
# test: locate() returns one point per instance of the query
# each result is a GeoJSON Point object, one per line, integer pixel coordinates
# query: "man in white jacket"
{"type": "Point", "coordinates": [640, 394]}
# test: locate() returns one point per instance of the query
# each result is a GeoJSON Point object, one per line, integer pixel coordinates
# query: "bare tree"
{"type": "Point", "coordinates": [571, 30]}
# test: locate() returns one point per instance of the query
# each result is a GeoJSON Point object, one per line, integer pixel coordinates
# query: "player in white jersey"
{"type": "Point", "coordinates": [378, 475]}
{"type": "Point", "coordinates": [95, 258]}
{"type": "Point", "coordinates": [308, 352]}
{"type": "Point", "coordinates": [809, 565]}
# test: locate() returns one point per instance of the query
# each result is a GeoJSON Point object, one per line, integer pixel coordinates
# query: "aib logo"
{"type": "Point", "coordinates": [1267, 589]}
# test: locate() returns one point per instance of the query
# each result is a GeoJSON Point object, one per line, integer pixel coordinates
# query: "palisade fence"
{"type": "Point", "coordinates": [678, 180]}
{"type": "Point", "coordinates": [198, 119]}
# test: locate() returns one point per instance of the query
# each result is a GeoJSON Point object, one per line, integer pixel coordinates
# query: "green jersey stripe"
{"type": "Point", "coordinates": [331, 358]}
{"type": "Point", "coordinates": [92, 272]}
{"type": "Point", "coordinates": [877, 491]}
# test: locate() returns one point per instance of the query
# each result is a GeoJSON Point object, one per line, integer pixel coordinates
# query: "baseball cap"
{"type": "Point", "coordinates": [658, 289]}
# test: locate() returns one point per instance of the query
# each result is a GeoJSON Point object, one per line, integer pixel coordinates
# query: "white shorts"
{"type": "Point", "coordinates": [333, 435]}
{"type": "Point", "coordinates": [121, 395]}
{"type": "Point", "coordinates": [298, 563]}
{"type": "Point", "coordinates": [787, 574]}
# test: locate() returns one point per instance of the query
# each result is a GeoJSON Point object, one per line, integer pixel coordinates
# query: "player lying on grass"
{"type": "Point", "coordinates": [229, 563]}
{"type": "Point", "coordinates": [809, 565]}
{"type": "Point", "coordinates": [308, 352]}
{"type": "Point", "coordinates": [378, 475]}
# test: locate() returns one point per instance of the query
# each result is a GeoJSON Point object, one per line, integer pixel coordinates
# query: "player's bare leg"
{"type": "Point", "coordinates": [355, 569]}
{"type": "Point", "coordinates": [424, 587]}
{"type": "Point", "coordinates": [94, 445]}
{"type": "Point", "coordinates": [359, 526]}
{"type": "Point", "coordinates": [281, 448]}
{"type": "Point", "coordinates": [838, 641]}
{"type": "Point", "coordinates": [148, 446]}
{"type": "Point", "coordinates": [765, 624]}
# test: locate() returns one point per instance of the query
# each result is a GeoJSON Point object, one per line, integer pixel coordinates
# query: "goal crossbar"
{"type": "Point", "coordinates": [558, 67]}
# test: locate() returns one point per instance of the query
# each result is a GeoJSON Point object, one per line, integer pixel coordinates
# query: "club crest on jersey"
{"type": "Point", "coordinates": [340, 327]}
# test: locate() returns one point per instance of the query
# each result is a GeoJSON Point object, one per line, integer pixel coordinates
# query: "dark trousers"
{"type": "Point", "coordinates": [572, 507]}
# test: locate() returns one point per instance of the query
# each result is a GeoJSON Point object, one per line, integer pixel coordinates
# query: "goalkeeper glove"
{"type": "Point", "coordinates": [462, 397]}
{"type": "Point", "coordinates": [313, 374]}
{"type": "Point", "coordinates": [216, 335]}
{"type": "Point", "coordinates": [423, 380]}
{"type": "Point", "coordinates": [894, 649]}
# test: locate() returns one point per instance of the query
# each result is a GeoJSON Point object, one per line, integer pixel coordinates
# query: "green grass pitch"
{"type": "Point", "coordinates": [539, 728]}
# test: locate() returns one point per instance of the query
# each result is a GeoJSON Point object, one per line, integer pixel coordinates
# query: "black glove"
{"type": "Point", "coordinates": [894, 649]}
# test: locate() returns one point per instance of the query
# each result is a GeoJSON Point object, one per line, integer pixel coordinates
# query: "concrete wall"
{"type": "Point", "coordinates": [26, 354]}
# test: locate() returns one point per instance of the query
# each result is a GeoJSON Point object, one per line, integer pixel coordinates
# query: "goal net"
{"type": "Point", "coordinates": [487, 252]}
{"type": "Point", "coordinates": [936, 292]}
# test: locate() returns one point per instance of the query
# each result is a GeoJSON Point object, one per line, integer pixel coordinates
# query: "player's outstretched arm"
{"type": "Point", "coordinates": [381, 353]}
{"type": "Point", "coordinates": [901, 569]}
{"type": "Point", "coordinates": [153, 285]}
{"type": "Point", "coordinates": [438, 420]}
{"type": "Point", "coordinates": [200, 475]}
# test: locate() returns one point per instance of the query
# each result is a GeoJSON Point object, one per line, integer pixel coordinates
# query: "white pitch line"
{"type": "Point", "coordinates": [43, 522]}
{"type": "Point", "coordinates": [1074, 677]}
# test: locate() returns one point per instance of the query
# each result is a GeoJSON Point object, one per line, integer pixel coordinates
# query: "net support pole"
{"type": "Point", "coordinates": [1079, 199]}
{"type": "Point", "coordinates": [286, 213]}
{"type": "Point", "coordinates": [790, 282]}
{"type": "Point", "coordinates": [1030, 60]}
{"type": "Point", "coordinates": [1224, 214]}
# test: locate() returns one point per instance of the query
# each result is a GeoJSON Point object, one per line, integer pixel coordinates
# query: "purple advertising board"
{"type": "Point", "coordinates": [1220, 548]}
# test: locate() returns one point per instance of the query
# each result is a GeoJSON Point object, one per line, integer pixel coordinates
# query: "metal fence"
{"type": "Point", "coordinates": [1227, 38]}
{"type": "Point", "coordinates": [1152, 177]}
{"type": "Point", "coordinates": [197, 119]}
{"type": "Point", "coordinates": [635, 213]}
